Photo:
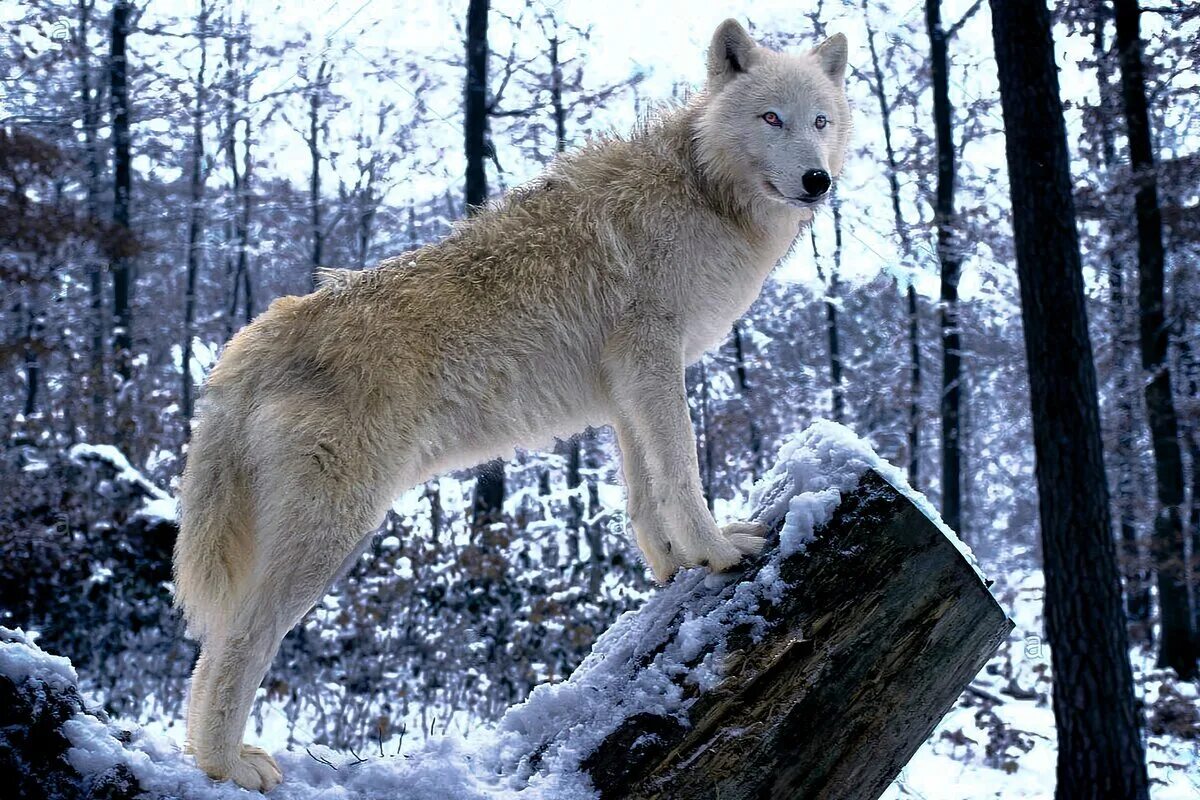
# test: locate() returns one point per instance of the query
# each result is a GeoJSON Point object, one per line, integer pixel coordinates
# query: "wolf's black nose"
{"type": "Point", "coordinates": [816, 182]}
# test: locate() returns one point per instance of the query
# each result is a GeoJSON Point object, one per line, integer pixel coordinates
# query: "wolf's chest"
{"type": "Point", "coordinates": [716, 299]}
{"type": "Point", "coordinates": [722, 284]}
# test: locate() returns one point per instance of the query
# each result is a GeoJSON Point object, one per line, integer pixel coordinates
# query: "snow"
{"type": "Point", "coordinates": [159, 508]}
{"type": "Point", "coordinates": [442, 769]}
{"type": "Point", "coordinates": [955, 763]}
{"type": "Point", "coordinates": [814, 468]}
{"type": "Point", "coordinates": [564, 722]}
{"type": "Point", "coordinates": [158, 503]}
{"type": "Point", "coordinates": [645, 663]}
{"type": "Point", "coordinates": [20, 658]}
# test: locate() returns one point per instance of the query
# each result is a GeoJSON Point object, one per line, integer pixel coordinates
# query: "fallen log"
{"type": "Point", "coordinates": [815, 674]}
{"type": "Point", "coordinates": [882, 629]}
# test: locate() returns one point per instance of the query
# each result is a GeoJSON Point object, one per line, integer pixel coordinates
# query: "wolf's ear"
{"type": "Point", "coordinates": [730, 51]}
{"type": "Point", "coordinates": [831, 54]}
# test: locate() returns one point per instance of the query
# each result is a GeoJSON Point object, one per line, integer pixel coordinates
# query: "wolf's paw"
{"type": "Point", "coordinates": [727, 549]}
{"type": "Point", "coordinates": [253, 768]}
{"type": "Point", "coordinates": [658, 555]}
{"type": "Point", "coordinates": [662, 565]}
{"type": "Point", "coordinates": [747, 537]}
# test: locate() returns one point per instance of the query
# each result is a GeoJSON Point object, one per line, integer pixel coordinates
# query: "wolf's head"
{"type": "Point", "coordinates": [775, 123]}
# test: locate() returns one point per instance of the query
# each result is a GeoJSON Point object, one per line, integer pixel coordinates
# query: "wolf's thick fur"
{"type": "Point", "coordinates": [576, 300]}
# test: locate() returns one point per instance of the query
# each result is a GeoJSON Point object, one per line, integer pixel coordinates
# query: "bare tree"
{"type": "Point", "coordinates": [374, 158]}
{"type": "Point", "coordinates": [237, 114]}
{"type": "Point", "coordinates": [1190, 373]}
{"type": "Point", "coordinates": [488, 500]}
{"type": "Point", "coordinates": [316, 93]}
{"type": "Point", "coordinates": [1137, 584]}
{"type": "Point", "coordinates": [1100, 751]}
{"type": "Point", "coordinates": [702, 420]}
{"type": "Point", "coordinates": [1177, 647]}
{"type": "Point", "coordinates": [475, 103]}
{"type": "Point", "coordinates": [837, 390]}
{"type": "Point", "coordinates": [121, 262]}
{"type": "Point", "coordinates": [951, 260]}
{"type": "Point", "coordinates": [89, 101]}
{"type": "Point", "coordinates": [195, 214]}
{"type": "Point", "coordinates": [914, 309]}
{"type": "Point", "coordinates": [741, 372]}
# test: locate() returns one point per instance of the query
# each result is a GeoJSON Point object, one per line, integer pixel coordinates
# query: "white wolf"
{"type": "Point", "coordinates": [576, 300]}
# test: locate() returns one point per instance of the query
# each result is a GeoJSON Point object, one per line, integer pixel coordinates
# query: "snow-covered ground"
{"type": "Point", "coordinates": [991, 745]}
{"type": "Point", "coordinates": [998, 741]}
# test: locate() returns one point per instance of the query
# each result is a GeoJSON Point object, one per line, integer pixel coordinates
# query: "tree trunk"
{"type": "Point", "coordinates": [575, 506]}
{"type": "Point", "coordinates": [580, 448]}
{"type": "Point", "coordinates": [1190, 369]}
{"type": "Point", "coordinates": [831, 312]}
{"type": "Point", "coordinates": [743, 380]}
{"type": "Point", "coordinates": [489, 487]}
{"type": "Point", "coordinates": [882, 626]}
{"type": "Point", "coordinates": [1193, 439]}
{"type": "Point", "coordinates": [238, 214]}
{"type": "Point", "coordinates": [556, 98]}
{"type": "Point", "coordinates": [592, 530]}
{"type": "Point", "coordinates": [247, 199]}
{"type": "Point", "coordinates": [315, 98]}
{"type": "Point", "coordinates": [708, 451]}
{"type": "Point", "coordinates": [951, 262]}
{"type": "Point", "coordinates": [1133, 563]}
{"type": "Point", "coordinates": [233, 279]}
{"type": "Point", "coordinates": [367, 196]}
{"type": "Point", "coordinates": [1100, 752]}
{"type": "Point", "coordinates": [914, 400]}
{"type": "Point", "coordinates": [475, 104]}
{"type": "Point", "coordinates": [914, 319]}
{"type": "Point", "coordinates": [33, 370]}
{"type": "Point", "coordinates": [97, 390]}
{"type": "Point", "coordinates": [837, 391]}
{"type": "Point", "coordinates": [122, 266]}
{"type": "Point", "coordinates": [195, 220]}
{"type": "Point", "coordinates": [1177, 647]}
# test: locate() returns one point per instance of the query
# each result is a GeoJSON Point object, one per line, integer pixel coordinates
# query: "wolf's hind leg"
{"type": "Point", "coordinates": [196, 690]}
{"type": "Point", "coordinates": [301, 557]}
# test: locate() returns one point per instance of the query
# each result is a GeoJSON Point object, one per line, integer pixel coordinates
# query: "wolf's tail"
{"type": "Point", "coordinates": [215, 551]}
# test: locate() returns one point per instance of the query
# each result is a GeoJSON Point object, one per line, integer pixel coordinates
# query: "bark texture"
{"type": "Point", "coordinates": [488, 501]}
{"type": "Point", "coordinates": [1100, 753]}
{"type": "Point", "coordinates": [950, 259]}
{"type": "Point", "coordinates": [1177, 647]}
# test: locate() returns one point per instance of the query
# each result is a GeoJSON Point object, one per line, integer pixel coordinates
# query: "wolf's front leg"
{"type": "Point", "coordinates": [646, 383]}
{"type": "Point", "coordinates": [645, 514]}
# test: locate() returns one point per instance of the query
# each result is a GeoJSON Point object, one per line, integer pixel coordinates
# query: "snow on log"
{"type": "Point", "coordinates": [882, 627]}
{"type": "Point", "coordinates": [815, 673]}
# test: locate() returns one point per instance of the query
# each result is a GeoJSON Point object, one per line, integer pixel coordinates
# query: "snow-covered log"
{"type": "Point", "coordinates": [817, 673]}
{"type": "Point", "coordinates": [833, 688]}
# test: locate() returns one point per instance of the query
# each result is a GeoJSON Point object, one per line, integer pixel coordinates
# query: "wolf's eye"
{"type": "Point", "coordinates": [772, 119]}
{"type": "Point", "coordinates": [821, 121]}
